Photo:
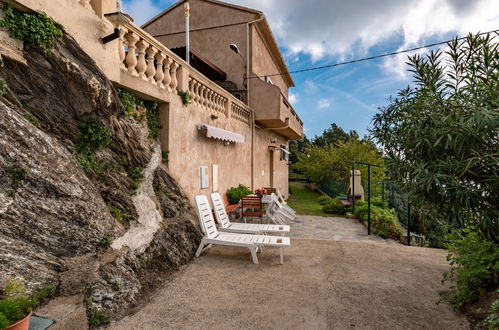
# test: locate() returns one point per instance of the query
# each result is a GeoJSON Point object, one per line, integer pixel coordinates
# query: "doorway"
{"type": "Point", "coordinates": [271, 169]}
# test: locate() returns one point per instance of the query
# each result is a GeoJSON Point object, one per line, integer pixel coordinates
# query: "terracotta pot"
{"type": "Point", "coordinates": [20, 325]}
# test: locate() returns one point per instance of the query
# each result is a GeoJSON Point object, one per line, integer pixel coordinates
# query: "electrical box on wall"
{"type": "Point", "coordinates": [203, 177]}
{"type": "Point", "coordinates": [214, 178]}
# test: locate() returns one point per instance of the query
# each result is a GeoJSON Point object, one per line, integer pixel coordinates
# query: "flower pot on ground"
{"type": "Point", "coordinates": [20, 325]}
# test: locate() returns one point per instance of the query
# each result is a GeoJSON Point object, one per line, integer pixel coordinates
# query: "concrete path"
{"type": "Point", "coordinates": [342, 229]}
{"type": "Point", "coordinates": [356, 283]}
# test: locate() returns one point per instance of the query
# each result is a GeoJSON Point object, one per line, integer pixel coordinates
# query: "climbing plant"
{"type": "Point", "coordinates": [36, 30]}
{"type": "Point", "coordinates": [131, 104]}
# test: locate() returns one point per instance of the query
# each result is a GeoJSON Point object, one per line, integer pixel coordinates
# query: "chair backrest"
{"type": "Point", "coordinates": [252, 202]}
{"type": "Point", "coordinates": [269, 191]}
{"type": "Point", "coordinates": [220, 212]}
{"type": "Point", "coordinates": [205, 216]}
{"type": "Point", "coordinates": [275, 199]}
{"type": "Point", "coordinates": [280, 196]}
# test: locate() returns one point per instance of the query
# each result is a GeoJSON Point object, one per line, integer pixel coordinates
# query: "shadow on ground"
{"type": "Point", "coordinates": [323, 284]}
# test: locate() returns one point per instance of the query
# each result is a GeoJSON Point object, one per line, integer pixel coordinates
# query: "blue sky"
{"type": "Point", "coordinates": [318, 32]}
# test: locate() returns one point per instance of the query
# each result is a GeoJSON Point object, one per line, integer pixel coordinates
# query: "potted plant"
{"type": "Point", "coordinates": [15, 307]}
{"type": "Point", "coordinates": [260, 192]}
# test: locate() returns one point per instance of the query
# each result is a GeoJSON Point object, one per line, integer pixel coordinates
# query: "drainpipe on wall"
{"type": "Point", "coordinates": [247, 98]}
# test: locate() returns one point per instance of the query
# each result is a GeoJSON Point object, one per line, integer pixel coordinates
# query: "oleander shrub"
{"type": "Point", "coordinates": [384, 221]}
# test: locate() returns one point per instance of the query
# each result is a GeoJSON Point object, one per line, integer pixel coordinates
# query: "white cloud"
{"type": "Point", "coordinates": [337, 27]}
{"type": "Point", "coordinates": [323, 103]}
{"type": "Point", "coordinates": [293, 98]}
{"type": "Point", "coordinates": [141, 10]}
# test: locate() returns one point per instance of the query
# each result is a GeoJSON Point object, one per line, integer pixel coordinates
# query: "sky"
{"type": "Point", "coordinates": [319, 32]}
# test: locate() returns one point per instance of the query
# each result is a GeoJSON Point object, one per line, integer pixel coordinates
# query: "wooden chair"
{"type": "Point", "coordinates": [251, 206]}
{"type": "Point", "coordinates": [269, 191]}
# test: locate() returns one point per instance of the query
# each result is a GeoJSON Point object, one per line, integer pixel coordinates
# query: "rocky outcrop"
{"type": "Point", "coordinates": [55, 219]}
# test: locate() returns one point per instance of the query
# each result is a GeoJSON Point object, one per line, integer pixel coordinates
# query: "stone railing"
{"type": "Point", "coordinates": [143, 56]}
{"type": "Point", "coordinates": [241, 113]}
{"type": "Point", "coordinates": [206, 97]}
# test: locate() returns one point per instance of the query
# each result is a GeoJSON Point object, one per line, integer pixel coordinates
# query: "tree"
{"type": "Point", "coordinates": [319, 163]}
{"type": "Point", "coordinates": [441, 138]}
{"type": "Point", "coordinates": [334, 135]}
{"type": "Point", "coordinates": [296, 147]}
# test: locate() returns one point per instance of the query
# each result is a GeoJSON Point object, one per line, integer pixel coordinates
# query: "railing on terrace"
{"type": "Point", "coordinates": [143, 56]}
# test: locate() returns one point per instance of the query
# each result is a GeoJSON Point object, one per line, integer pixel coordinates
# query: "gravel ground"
{"type": "Point", "coordinates": [323, 284]}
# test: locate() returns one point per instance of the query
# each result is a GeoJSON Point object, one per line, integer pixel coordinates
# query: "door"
{"type": "Point", "coordinates": [271, 170]}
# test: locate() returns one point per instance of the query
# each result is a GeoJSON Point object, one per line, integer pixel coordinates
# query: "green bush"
{"type": "Point", "coordinates": [35, 30]}
{"type": "Point", "coordinates": [92, 137]}
{"type": "Point", "coordinates": [334, 206]}
{"type": "Point", "coordinates": [130, 102]}
{"type": "Point", "coordinates": [384, 222]}
{"type": "Point", "coordinates": [97, 318]}
{"type": "Point", "coordinates": [474, 266]}
{"type": "Point", "coordinates": [323, 200]}
{"type": "Point", "coordinates": [15, 304]}
{"type": "Point", "coordinates": [236, 193]}
{"type": "Point", "coordinates": [492, 320]}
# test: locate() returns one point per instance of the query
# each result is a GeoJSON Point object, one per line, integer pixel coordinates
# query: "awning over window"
{"type": "Point", "coordinates": [221, 134]}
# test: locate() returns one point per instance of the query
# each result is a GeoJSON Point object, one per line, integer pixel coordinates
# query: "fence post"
{"type": "Point", "coordinates": [368, 199]}
{"type": "Point", "coordinates": [408, 224]}
{"type": "Point", "coordinates": [353, 187]}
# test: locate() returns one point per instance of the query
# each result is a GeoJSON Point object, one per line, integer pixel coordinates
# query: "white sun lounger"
{"type": "Point", "coordinates": [213, 236]}
{"type": "Point", "coordinates": [274, 214]}
{"type": "Point", "coordinates": [244, 228]}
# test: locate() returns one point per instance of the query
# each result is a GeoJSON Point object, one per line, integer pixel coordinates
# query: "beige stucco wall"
{"type": "Point", "coordinates": [213, 44]}
{"type": "Point", "coordinates": [86, 27]}
{"type": "Point", "coordinates": [262, 63]}
{"type": "Point", "coordinates": [189, 149]}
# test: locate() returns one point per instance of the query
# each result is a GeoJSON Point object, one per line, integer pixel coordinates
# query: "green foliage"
{"type": "Point", "coordinates": [92, 137]}
{"type": "Point", "coordinates": [32, 119]}
{"type": "Point", "coordinates": [334, 206]}
{"type": "Point", "coordinates": [319, 163]}
{"type": "Point", "coordinates": [492, 320]}
{"type": "Point", "coordinates": [106, 241]}
{"type": "Point", "coordinates": [135, 173]}
{"type": "Point", "coordinates": [474, 266]}
{"type": "Point", "coordinates": [18, 174]}
{"type": "Point", "coordinates": [15, 304]}
{"type": "Point", "coordinates": [440, 138]}
{"type": "Point", "coordinates": [120, 214]}
{"type": "Point", "coordinates": [3, 87]}
{"type": "Point", "coordinates": [384, 222]}
{"type": "Point", "coordinates": [164, 157]}
{"type": "Point", "coordinates": [152, 113]}
{"type": "Point", "coordinates": [323, 200]}
{"type": "Point", "coordinates": [36, 30]}
{"type": "Point", "coordinates": [185, 97]}
{"type": "Point", "coordinates": [97, 318]}
{"type": "Point", "coordinates": [131, 104]}
{"type": "Point", "coordinates": [333, 136]}
{"type": "Point", "coordinates": [236, 193]}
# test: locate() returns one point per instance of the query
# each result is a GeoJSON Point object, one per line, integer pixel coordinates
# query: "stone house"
{"type": "Point", "coordinates": [234, 131]}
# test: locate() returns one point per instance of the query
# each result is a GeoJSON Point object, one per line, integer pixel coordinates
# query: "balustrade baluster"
{"type": "Point", "coordinates": [168, 77]}
{"type": "Point", "coordinates": [121, 49]}
{"type": "Point", "coordinates": [197, 85]}
{"type": "Point", "coordinates": [174, 82]}
{"type": "Point", "coordinates": [131, 57]}
{"type": "Point", "coordinates": [141, 59]}
{"type": "Point", "coordinates": [160, 75]}
{"type": "Point", "coordinates": [151, 69]}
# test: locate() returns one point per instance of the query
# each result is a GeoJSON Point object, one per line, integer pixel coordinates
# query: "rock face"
{"type": "Point", "coordinates": [54, 217]}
